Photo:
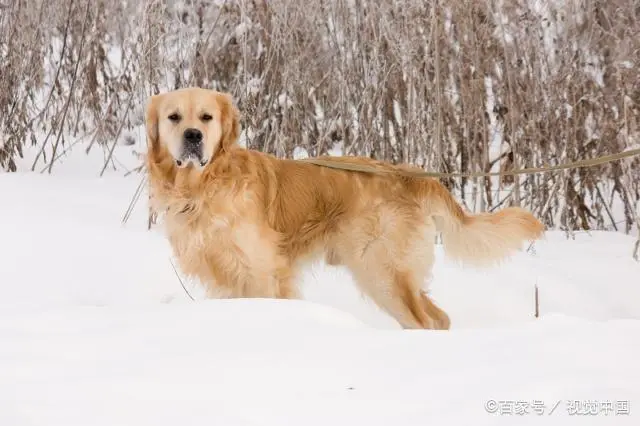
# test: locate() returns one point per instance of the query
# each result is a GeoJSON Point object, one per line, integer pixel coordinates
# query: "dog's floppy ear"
{"type": "Point", "coordinates": [230, 117]}
{"type": "Point", "coordinates": [151, 122]}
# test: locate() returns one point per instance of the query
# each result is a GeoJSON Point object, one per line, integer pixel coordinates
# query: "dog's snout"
{"type": "Point", "coordinates": [192, 147]}
{"type": "Point", "coordinates": [193, 136]}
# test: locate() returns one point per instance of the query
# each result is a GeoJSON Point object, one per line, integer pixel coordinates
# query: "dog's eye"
{"type": "Point", "coordinates": [206, 117]}
{"type": "Point", "coordinates": [174, 117]}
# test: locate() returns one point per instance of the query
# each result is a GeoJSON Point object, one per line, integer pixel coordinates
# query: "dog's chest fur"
{"type": "Point", "coordinates": [219, 237]}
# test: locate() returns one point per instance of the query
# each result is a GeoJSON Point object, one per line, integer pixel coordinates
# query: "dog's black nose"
{"type": "Point", "coordinates": [193, 136]}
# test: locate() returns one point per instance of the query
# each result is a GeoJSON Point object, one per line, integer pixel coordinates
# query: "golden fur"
{"type": "Point", "coordinates": [246, 222]}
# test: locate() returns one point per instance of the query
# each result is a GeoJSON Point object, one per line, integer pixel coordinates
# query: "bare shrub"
{"type": "Point", "coordinates": [450, 86]}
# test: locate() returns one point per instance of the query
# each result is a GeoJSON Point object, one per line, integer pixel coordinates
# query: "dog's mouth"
{"type": "Point", "coordinates": [186, 161]}
{"type": "Point", "coordinates": [192, 150]}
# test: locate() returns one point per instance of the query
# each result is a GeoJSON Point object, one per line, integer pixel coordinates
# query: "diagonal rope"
{"type": "Point", "coordinates": [356, 167]}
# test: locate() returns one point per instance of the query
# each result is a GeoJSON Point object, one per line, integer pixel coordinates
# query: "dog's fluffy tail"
{"type": "Point", "coordinates": [481, 239]}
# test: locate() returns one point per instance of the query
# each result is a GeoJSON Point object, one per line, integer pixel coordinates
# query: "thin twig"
{"type": "Point", "coordinates": [180, 279]}
{"type": "Point", "coordinates": [537, 302]}
{"type": "Point", "coordinates": [606, 207]}
{"type": "Point", "coordinates": [134, 199]}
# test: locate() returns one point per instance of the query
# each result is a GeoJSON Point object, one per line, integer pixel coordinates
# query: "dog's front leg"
{"type": "Point", "coordinates": [246, 262]}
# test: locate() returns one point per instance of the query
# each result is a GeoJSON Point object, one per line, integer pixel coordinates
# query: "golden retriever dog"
{"type": "Point", "coordinates": [244, 223]}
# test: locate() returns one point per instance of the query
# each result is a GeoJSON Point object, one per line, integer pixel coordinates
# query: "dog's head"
{"type": "Point", "coordinates": [192, 125]}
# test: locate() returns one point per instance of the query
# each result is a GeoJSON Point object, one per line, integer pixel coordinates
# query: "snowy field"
{"type": "Point", "coordinates": [95, 329]}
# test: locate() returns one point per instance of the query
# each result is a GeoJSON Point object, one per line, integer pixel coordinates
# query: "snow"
{"type": "Point", "coordinates": [300, 153]}
{"type": "Point", "coordinates": [95, 328]}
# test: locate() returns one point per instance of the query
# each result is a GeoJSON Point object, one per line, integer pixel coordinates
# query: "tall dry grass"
{"type": "Point", "coordinates": [450, 86]}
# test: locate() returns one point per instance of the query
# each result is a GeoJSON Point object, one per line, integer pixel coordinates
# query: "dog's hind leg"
{"type": "Point", "coordinates": [398, 292]}
{"type": "Point", "coordinates": [400, 295]}
{"type": "Point", "coordinates": [440, 317]}
{"type": "Point", "coordinates": [391, 265]}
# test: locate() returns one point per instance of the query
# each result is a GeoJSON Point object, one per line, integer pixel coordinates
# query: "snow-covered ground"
{"type": "Point", "coordinates": [95, 329]}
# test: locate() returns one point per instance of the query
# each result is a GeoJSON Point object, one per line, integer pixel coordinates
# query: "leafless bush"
{"type": "Point", "coordinates": [451, 86]}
